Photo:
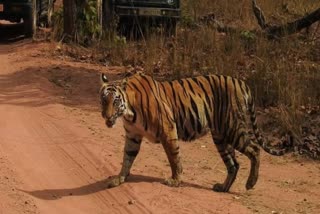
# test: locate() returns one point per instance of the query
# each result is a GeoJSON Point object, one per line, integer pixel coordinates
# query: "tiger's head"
{"type": "Point", "coordinates": [113, 100]}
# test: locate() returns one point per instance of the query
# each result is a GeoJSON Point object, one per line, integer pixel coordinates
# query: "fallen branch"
{"type": "Point", "coordinates": [268, 30]}
{"type": "Point", "coordinates": [277, 31]}
{"type": "Point", "coordinates": [296, 26]}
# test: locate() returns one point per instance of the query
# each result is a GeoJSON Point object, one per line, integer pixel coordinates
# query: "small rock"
{"type": "Point", "coordinates": [131, 202]}
{"type": "Point", "coordinates": [236, 197]}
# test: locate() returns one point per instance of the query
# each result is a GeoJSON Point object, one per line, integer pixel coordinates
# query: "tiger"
{"type": "Point", "coordinates": [185, 109]}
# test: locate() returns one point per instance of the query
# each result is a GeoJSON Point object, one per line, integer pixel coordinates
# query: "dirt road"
{"type": "Point", "coordinates": [56, 153]}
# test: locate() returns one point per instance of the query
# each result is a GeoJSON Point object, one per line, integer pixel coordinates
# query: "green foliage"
{"type": "Point", "coordinates": [88, 27]}
{"type": "Point", "coordinates": [248, 39]}
{"type": "Point", "coordinates": [57, 18]}
{"type": "Point", "coordinates": [87, 24]}
{"type": "Point", "coordinates": [187, 21]}
{"type": "Point", "coordinates": [120, 40]}
{"type": "Point", "coordinates": [248, 35]}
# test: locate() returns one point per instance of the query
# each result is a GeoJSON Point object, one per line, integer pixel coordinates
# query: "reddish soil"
{"type": "Point", "coordinates": [56, 153]}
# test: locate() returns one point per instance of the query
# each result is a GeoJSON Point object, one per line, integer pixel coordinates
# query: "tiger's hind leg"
{"type": "Point", "coordinates": [252, 151]}
{"type": "Point", "coordinates": [227, 154]}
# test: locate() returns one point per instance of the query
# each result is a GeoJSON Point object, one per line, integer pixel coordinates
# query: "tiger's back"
{"type": "Point", "coordinates": [193, 105]}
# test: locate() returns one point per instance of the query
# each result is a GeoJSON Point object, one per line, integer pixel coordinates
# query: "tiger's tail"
{"type": "Point", "coordinates": [259, 137]}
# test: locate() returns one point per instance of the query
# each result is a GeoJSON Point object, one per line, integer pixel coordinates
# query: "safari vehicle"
{"type": "Point", "coordinates": [32, 12]}
{"type": "Point", "coordinates": [143, 13]}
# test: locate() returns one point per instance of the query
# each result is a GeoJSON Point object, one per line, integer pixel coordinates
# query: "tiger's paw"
{"type": "Point", "coordinates": [219, 188]}
{"type": "Point", "coordinates": [171, 182]}
{"type": "Point", "coordinates": [115, 181]}
{"type": "Point", "coordinates": [250, 183]}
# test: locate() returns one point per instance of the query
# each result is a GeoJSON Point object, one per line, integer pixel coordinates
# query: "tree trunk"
{"type": "Point", "coordinates": [99, 11]}
{"type": "Point", "coordinates": [69, 14]}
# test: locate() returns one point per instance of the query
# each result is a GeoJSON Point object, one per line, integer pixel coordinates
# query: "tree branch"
{"type": "Point", "coordinates": [293, 27]}
{"type": "Point", "coordinates": [270, 31]}
{"type": "Point", "coordinates": [277, 31]}
{"type": "Point", "coordinates": [259, 15]}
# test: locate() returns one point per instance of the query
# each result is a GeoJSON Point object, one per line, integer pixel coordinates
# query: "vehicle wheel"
{"type": "Point", "coordinates": [171, 27]}
{"type": "Point", "coordinates": [30, 20]}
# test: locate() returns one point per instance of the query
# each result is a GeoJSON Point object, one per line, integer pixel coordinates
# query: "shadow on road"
{"type": "Point", "coordinates": [54, 194]}
{"type": "Point", "coordinates": [69, 85]}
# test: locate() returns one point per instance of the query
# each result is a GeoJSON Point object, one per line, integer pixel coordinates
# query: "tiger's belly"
{"type": "Point", "coordinates": [190, 135]}
{"type": "Point", "coordinates": [188, 132]}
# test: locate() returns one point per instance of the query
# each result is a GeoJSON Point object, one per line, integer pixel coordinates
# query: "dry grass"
{"type": "Point", "coordinates": [280, 73]}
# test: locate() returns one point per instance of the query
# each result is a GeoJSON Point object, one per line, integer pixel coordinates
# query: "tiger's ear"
{"type": "Point", "coordinates": [124, 83]}
{"type": "Point", "coordinates": [104, 78]}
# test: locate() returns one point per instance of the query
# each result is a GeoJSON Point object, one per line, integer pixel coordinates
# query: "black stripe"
{"type": "Point", "coordinates": [182, 106]}
{"type": "Point", "coordinates": [247, 88]}
{"type": "Point", "coordinates": [241, 147]}
{"type": "Point", "coordinates": [213, 108]}
{"type": "Point", "coordinates": [144, 118]}
{"type": "Point", "coordinates": [205, 92]}
{"type": "Point", "coordinates": [135, 141]}
{"type": "Point", "coordinates": [131, 108]}
{"type": "Point", "coordinates": [183, 117]}
{"type": "Point", "coordinates": [148, 82]}
{"type": "Point", "coordinates": [190, 86]}
{"type": "Point", "coordinates": [134, 115]}
{"type": "Point", "coordinates": [239, 104]}
{"type": "Point", "coordinates": [132, 153]}
{"type": "Point", "coordinates": [221, 103]}
{"type": "Point", "coordinates": [216, 103]}
{"type": "Point", "coordinates": [192, 121]}
{"type": "Point", "coordinates": [184, 129]}
{"type": "Point", "coordinates": [165, 93]}
{"type": "Point", "coordinates": [175, 153]}
{"type": "Point", "coordinates": [227, 115]}
{"type": "Point", "coordinates": [172, 103]}
{"type": "Point", "coordinates": [174, 94]}
{"type": "Point", "coordinates": [195, 109]}
{"type": "Point", "coordinates": [159, 113]}
{"type": "Point", "coordinates": [147, 107]}
{"type": "Point", "coordinates": [208, 116]}
{"type": "Point", "coordinates": [180, 82]}
{"type": "Point", "coordinates": [165, 101]}
{"type": "Point", "coordinates": [126, 129]}
{"type": "Point", "coordinates": [243, 90]}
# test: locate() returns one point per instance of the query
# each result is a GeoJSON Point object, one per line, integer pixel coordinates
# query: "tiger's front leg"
{"type": "Point", "coordinates": [171, 148]}
{"type": "Point", "coordinates": [131, 150]}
